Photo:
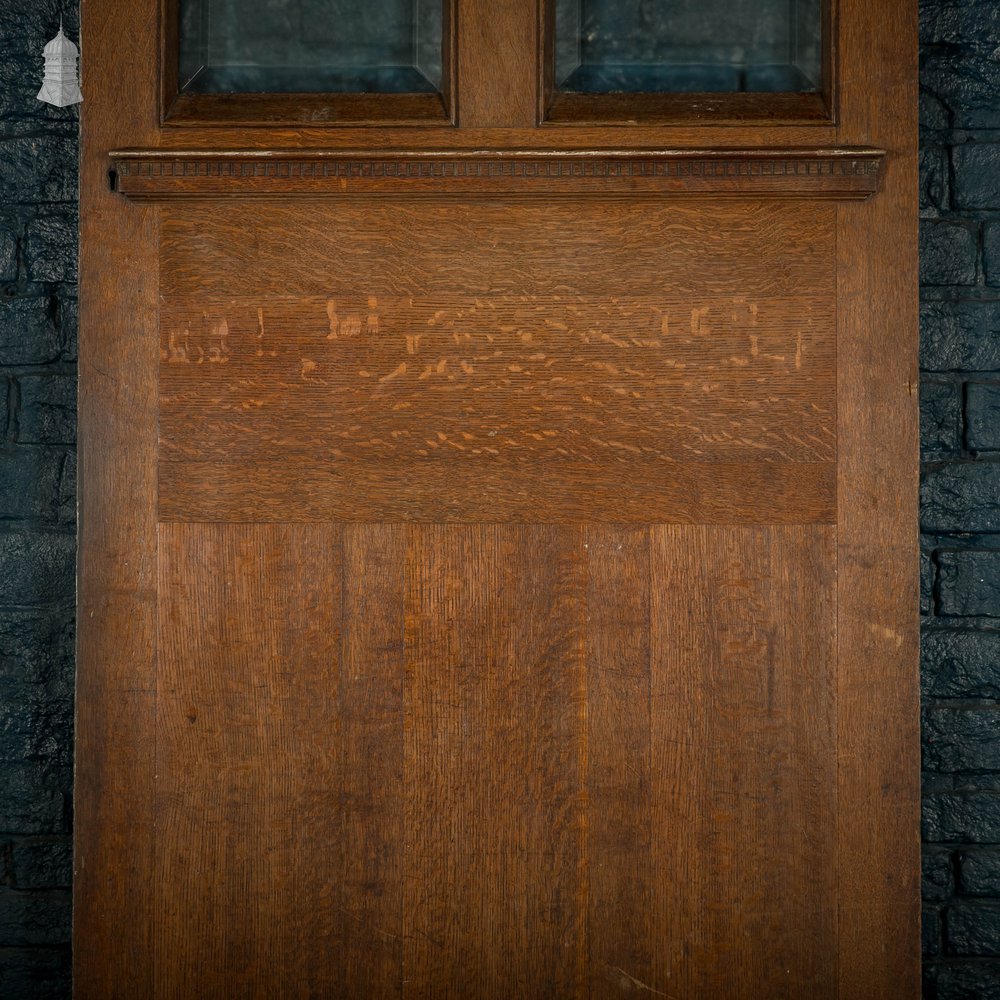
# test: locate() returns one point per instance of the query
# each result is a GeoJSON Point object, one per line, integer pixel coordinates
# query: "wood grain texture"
{"type": "Point", "coordinates": [545, 389]}
{"type": "Point", "coordinates": [291, 138]}
{"type": "Point", "coordinates": [497, 63]}
{"type": "Point", "coordinates": [238, 654]}
{"type": "Point", "coordinates": [495, 723]}
{"type": "Point", "coordinates": [280, 749]}
{"type": "Point", "coordinates": [841, 173]}
{"type": "Point", "coordinates": [453, 761]}
{"type": "Point", "coordinates": [519, 379]}
{"type": "Point", "coordinates": [580, 753]}
{"type": "Point", "coordinates": [621, 880]}
{"type": "Point", "coordinates": [372, 712]}
{"type": "Point", "coordinates": [480, 247]}
{"type": "Point", "coordinates": [270, 110]}
{"type": "Point", "coordinates": [744, 797]}
{"type": "Point", "coordinates": [437, 492]}
{"type": "Point", "coordinates": [114, 779]}
{"type": "Point", "coordinates": [878, 583]}
{"type": "Point", "coordinates": [740, 109]}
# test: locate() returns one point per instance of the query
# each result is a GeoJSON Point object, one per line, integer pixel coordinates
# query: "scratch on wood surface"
{"type": "Point", "coordinates": [639, 984]}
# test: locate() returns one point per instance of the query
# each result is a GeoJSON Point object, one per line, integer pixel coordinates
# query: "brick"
{"type": "Point", "coordinates": [35, 973]}
{"type": "Point", "coordinates": [38, 168]}
{"type": "Point", "coordinates": [28, 335]}
{"type": "Point", "coordinates": [38, 226]}
{"type": "Point", "coordinates": [930, 931]}
{"type": "Point", "coordinates": [24, 21]}
{"type": "Point", "coordinates": [961, 496]}
{"type": "Point", "coordinates": [926, 584]}
{"type": "Point", "coordinates": [932, 112]}
{"type": "Point", "coordinates": [962, 817]}
{"type": "Point", "coordinates": [973, 928]}
{"type": "Point", "coordinates": [37, 724]}
{"type": "Point", "coordinates": [969, 583]}
{"type": "Point", "coordinates": [961, 739]}
{"type": "Point", "coordinates": [36, 648]}
{"type": "Point", "coordinates": [36, 568]}
{"type": "Point", "coordinates": [32, 919]}
{"type": "Point", "coordinates": [977, 169]}
{"type": "Point", "coordinates": [42, 864]}
{"type": "Point", "coordinates": [18, 73]}
{"type": "Point", "coordinates": [68, 318]}
{"type": "Point", "coordinates": [67, 489]}
{"type": "Point", "coordinates": [959, 22]}
{"type": "Point", "coordinates": [991, 253]}
{"type": "Point", "coordinates": [960, 664]}
{"type": "Point", "coordinates": [964, 87]}
{"type": "Point", "coordinates": [33, 798]}
{"type": "Point", "coordinates": [936, 875]}
{"type": "Point", "coordinates": [939, 413]}
{"type": "Point", "coordinates": [967, 981]}
{"type": "Point", "coordinates": [979, 872]}
{"type": "Point", "coordinates": [51, 247]}
{"type": "Point", "coordinates": [933, 179]}
{"type": "Point", "coordinates": [30, 484]}
{"type": "Point", "coordinates": [47, 413]}
{"type": "Point", "coordinates": [8, 255]}
{"type": "Point", "coordinates": [960, 336]}
{"type": "Point", "coordinates": [948, 253]}
{"type": "Point", "coordinates": [982, 416]}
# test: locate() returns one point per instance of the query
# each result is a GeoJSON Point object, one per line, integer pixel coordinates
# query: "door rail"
{"type": "Point", "coordinates": [839, 173]}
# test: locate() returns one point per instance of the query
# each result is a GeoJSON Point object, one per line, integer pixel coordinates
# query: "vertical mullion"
{"type": "Point", "coordinates": [497, 63]}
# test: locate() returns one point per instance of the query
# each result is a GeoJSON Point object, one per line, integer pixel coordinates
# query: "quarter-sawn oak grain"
{"type": "Point", "coordinates": [333, 700]}
{"type": "Point", "coordinates": [367, 710]}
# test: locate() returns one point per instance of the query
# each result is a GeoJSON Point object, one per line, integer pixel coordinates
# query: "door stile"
{"type": "Point", "coordinates": [878, 581]}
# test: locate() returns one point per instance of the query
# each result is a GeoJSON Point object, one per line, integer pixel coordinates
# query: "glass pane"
{"type": "Point", "coordinates": [687, 46]}
{"type": "Point", "coordinates": [303, 46]}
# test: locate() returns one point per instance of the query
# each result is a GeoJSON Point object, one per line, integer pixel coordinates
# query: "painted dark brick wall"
{"type": "Point", "coordinates": [960, 495]}
{"type": "Point", "coordinates": [960, 402]}
{"type": "Point", "coordinates": [38, 223]}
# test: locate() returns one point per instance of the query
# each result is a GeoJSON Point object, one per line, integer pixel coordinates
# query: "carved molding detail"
{"type": "Point", "coordinates": [839, 173]}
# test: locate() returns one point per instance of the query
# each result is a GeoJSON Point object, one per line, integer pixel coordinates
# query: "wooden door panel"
{"type": "Point", "coordinates": [691, 492]}
{"type": "Point", "coordinates": [280, 745]}
{"type": "Point", "coordinates": [743, 689]}
{"type": "Point", "coordinates": [528, 378]}
{"type": "Point", "coordinates": [494, 901]}
{"type": "Point", "coordinates": [654, 400]}
{"type": "Point", "coordinates": [497, 562]}
{"type": "Point", "coordinates": [619, 779]}
{"type": "Point", "coordinates": [590, 246]}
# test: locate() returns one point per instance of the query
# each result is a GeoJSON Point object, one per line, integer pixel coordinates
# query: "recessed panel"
{"type": "Point", "coordinates": [466, 369]}
{"type": "Point", "coordinates": [495, 761]}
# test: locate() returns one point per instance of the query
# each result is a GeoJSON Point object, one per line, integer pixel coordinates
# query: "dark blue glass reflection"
{"type": "Point", "coordinates": [310, 46]}
{"type": "Point", "coordinates": [688, 46]}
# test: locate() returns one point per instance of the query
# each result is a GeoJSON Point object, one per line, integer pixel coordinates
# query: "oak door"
{"type": "Point", "coordinates": [497, 566]}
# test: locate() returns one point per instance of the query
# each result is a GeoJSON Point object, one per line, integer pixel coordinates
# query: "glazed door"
{"type": "Point", "coordinates": [497, 569]}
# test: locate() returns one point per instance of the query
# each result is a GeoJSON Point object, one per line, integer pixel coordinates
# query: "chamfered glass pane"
{"type": "Point", "coordinates": [688, 46]}
{"type": "Point", "coordinates": [310, 46]}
